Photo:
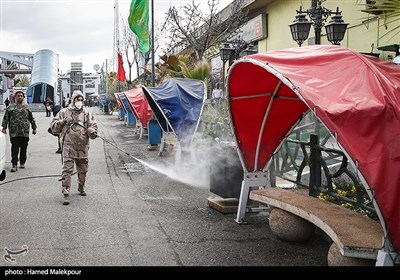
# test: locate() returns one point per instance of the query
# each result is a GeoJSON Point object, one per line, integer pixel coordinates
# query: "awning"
{"type": "Point", "coordinates": [357, 97]}
{"type": "Point", "coordinates": [177, 104]}
{"type": "Point", "coordinates": [139, 105]}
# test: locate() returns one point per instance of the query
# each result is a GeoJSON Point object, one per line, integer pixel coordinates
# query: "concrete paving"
{"type": "Point", "coordinates": [132, 215]}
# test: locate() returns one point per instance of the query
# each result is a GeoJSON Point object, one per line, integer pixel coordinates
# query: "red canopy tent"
{"type": "Point", "coordinates": [357, 97]}
{"type": "Point", "coordinates": [139, 104]}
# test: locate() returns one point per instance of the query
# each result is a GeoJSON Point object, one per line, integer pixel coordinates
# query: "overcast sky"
{"type": "Point", "coordinates": [77, 30]}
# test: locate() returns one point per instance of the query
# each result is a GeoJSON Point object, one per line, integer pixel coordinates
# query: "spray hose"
{"type": "Point", "coordinates": [58, 175]}
{"type": "Point", "coordinates": [105, 140]}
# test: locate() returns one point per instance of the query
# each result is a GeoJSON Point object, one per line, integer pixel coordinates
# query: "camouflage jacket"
{"type": "Point", "coordinates": [74, 135]}
{"type": "Point", "coordinates": [18, 119]}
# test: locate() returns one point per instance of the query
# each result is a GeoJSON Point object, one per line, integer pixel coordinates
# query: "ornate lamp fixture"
{"type": "Point", "coordinates": [335, 29]}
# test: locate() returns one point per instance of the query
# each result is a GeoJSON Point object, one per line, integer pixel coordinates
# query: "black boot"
{"type": "Point", "coordinates": [81, 190]}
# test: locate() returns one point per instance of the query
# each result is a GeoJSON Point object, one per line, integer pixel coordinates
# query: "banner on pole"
{"type": "Point", "coordinates": [121, 71]}
{"type": "Point", "coordinates": [138, 21]}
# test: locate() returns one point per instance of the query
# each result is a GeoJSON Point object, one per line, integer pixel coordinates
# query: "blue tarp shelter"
{"type": "Point", "coordinates": [177, 104]}
{"type": "Point", "coordinates": [130, 116]}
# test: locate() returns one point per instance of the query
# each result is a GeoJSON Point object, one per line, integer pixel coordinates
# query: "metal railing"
{"type": "Point", "coordinates": [309, 158]}
{"type": "Point", "coordinates": [324, 171]}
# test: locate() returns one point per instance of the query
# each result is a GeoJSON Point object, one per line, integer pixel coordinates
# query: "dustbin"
{"type": "Point", "coordinates": [154, 132]}
{"type": "Point", "coordinates": [226, 171]}
{"type": "Point", "coordinates": [106, 110]}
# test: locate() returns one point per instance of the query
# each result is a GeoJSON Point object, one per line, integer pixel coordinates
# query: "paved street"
{"type": "Point", "coordinates": [132, 215]}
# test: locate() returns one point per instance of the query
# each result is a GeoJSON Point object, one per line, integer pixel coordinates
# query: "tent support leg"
{"type": "Point", "coordinates": [251, 179]}
{"type": "Point", "coordinates": [387, 256]}
{"type": "Point", "coordinates": [244, 194]}
{"type": "Point", "coordinates": [384, 258]}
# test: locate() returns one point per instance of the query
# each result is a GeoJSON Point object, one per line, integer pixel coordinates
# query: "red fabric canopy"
{"type": "Point", "coordinates": [139, 104]}
{"type": "Point", "coordinates": [356, 96]}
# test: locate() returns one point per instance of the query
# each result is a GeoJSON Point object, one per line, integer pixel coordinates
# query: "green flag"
{"type": "Point", "coordinates": [139, 23]}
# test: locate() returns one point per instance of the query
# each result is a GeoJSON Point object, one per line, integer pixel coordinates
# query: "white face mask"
{"type": "Point", "coordinates": [78, 105]}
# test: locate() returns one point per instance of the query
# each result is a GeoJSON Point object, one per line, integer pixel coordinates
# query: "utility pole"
{"type": "Point", "coordinates": [116, 36]}
{"type": "Point", "coordinates": [106, 82]}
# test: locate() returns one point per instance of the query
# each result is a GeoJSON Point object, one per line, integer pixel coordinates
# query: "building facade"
{"type": "Point", "coordinates": [368, 31]}
{"type": "Point", "coordinates": [75, 79]}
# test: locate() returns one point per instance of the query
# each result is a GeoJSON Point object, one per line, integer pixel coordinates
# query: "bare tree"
{"type": "Point", "coordinates": [130, 46]}
{"type": "Point", "coordinates": [21, 80]}
{"type": "Point", "coordinates": [189, 26]}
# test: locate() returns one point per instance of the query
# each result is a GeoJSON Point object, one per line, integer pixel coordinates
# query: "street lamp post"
{"type": "Point", "coordinates": [232, 50]}
{"type": "Point", "coordinates": [225, 54]}
{"type": "Point", "coordinates": [335, 29]}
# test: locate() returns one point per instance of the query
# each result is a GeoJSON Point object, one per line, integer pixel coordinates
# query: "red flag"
{"type": "Point", "coordinates": [121, 71]}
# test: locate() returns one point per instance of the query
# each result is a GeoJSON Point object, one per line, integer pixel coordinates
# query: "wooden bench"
{"type": "Point", "coordinates": [356, 235]}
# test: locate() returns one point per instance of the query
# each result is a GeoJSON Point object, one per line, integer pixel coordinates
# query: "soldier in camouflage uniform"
{"type": "Point", "coordinates": [74, 125]}
{"type": "Point", "coordinates": [18, 118]}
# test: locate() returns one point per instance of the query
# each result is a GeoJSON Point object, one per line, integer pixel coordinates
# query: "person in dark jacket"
{"type": "Point", "coordinates": [56, 109]}
{"type": "Point", "coordinates": [18, 118]}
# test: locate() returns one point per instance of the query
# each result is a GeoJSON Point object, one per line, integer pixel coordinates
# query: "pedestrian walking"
{"type": "Point", "coordinates": [56, 109]}
{"type": "Point", "coordinates": [7, 102]}
{"type": "Point", "coordinates": [217, 94]}
{"type": "Point", "coordinates": [75, 125]}
{"type": "Point", "coordinates": [49, 106]}
{"type": "Point", "coordinates": [18, 118]}
{"type": "Point", "coordinates": [12, 98]}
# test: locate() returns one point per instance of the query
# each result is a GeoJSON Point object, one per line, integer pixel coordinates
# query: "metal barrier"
{"type": "Point", "coordinates": [316, 167]}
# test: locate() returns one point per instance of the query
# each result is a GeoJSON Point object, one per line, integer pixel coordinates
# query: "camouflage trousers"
{"type": "Point", "coordinates": [82, 167]}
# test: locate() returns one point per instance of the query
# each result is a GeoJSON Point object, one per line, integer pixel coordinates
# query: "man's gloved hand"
{"type": "Point", "coordinates": [92, 132]}
{"type": "Point", "coordinates": [68, 120]}
{"type": "Point", "coordinates": [93, 135]}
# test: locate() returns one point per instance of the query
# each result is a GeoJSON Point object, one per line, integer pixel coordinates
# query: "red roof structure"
{"type": "Point", "coordinates": [356, 96]}
{"type": "Point", "coordinates": [139, 104]}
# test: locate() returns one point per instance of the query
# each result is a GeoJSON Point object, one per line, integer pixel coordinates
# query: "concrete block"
{"type": "Point", "coordinates": [289, 227]}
